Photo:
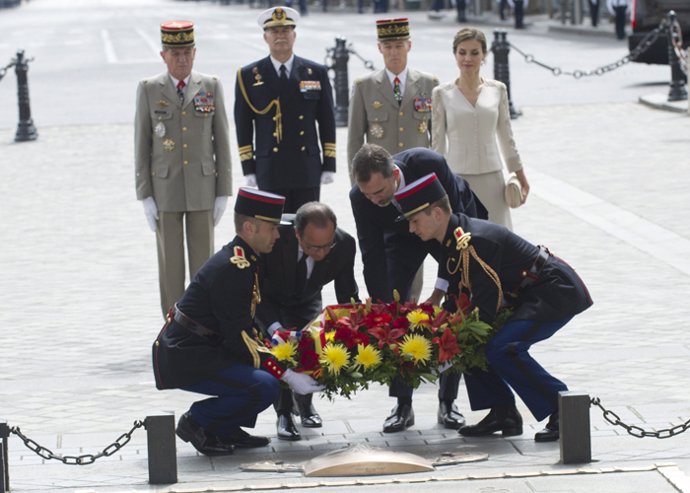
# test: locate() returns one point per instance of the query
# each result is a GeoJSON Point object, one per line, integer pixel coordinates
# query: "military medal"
{"type": "Point", "coordinates": [376, 131]}
{"type": "Point", "coordinates": [159, 130]}
{"type": "Point", "coordinates": [203, 102]}
{"type": "Point", "coordinates": [309, 86]}
{"type": "Point", "coordinates": [257, 77]}
{"type": "Point", "coordinates": [422, 105]}
{"type": "Point", "coordinates": [377, 104]}
{"type": "Point", "coordinates": [423, 127]}
{"type": "Point", "coordinates": [239, 259]}
{"type": "Point", "coordinates": [169, 145]}
{"type": "Point", "coordinates": [162, 103]}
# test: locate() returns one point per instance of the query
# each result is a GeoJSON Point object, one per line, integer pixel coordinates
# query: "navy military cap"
{"type": "Point", "coordinates": [419, 195]}
{"type": "Point", "coordinates": [259, 204]}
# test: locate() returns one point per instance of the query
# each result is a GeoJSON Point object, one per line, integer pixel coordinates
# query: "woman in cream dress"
{"type": "Point", "coordinates": [471, 121]}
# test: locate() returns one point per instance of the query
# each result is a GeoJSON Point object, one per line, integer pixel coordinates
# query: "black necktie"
{"type": "Point", "coordinates": [301, 274]}
{"type": "Point", "coordinates": [283, 74]}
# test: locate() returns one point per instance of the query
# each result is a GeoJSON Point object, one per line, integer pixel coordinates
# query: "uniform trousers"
{"type": "Point", "coordinates": [170, 235]}
{"type": "Point", "coordinates": [620, 21]}
{"type": "Point", "coordinates": [447, 387]}
{"type": "Point", "coordinates": [296, 197]}
{"type": "Point", "coordinates": [240, 393]}
{"type": "Point", "coordinates": [510, 364]}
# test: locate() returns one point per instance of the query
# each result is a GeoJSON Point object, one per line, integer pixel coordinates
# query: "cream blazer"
{"type": "Point", "coordinates": [470, 136]}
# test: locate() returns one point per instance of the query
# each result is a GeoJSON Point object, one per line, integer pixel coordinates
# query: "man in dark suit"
{"type": "Point", "coordinates": [391, 254]}
{"type": "Point", "coordinates": [311, 252]}
{"type": "Point", "coordinates": [209, 345]}
{"type": "Point", "coordinates": [284, 98]}
{"type": "Point", "coordinates": [495, 267]}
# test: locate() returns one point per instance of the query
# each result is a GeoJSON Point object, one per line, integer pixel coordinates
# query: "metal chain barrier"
{"type": "Point", "coordinates": [643, 46]}
{"type": "Point", "coordinates": [677, 41]}
{"type": "Point", "coordinates": [3, 70]}
{"type": "Point", "coordinates": [79, 460]}
{"type": "Point", "coordinates": [636, 431]}
{"type": "Point", "coordinates": [329, 61]}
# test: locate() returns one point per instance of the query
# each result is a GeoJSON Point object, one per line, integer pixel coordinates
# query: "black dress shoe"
{"type": "Point", "coordinates": [241, 439]}
{"type": "Point", "coordinates": [190, 431]}
{"type": "Point", "coordinates": [450, 417]}
{"type": "Point", "coordinates": [551, 431]}
{"type": "Point", "coordinates": [286, 428]}
{"type": "Point", "coordinates": [401, 418]}
{"type": "Point", "coordinates": [308, 415]}
{"type": "Point", "coordinates": [505, 419]}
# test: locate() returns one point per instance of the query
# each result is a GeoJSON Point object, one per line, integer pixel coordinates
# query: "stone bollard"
{"type": "Point", "coordinates": [4, 465]}
{"type": "Point", "coordinates": [677, 91]}
{"type": "Point", "coordinates": [574, 428]}
{"type": "Point", "coordinates": [25, 128]}
{"type": "Point", "coordinates": [162, 453]}
{"type": "Point", "coordinates": [340, 58]}
{"type": "Point", "coordinates": [501, 48]}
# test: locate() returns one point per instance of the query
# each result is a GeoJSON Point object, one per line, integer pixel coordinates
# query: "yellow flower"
{"type": "Point", "coordinates": [418, 319]}
{"type": "Point", "coordinates": [417, 347]}
{"type": "Point", "coordinates": [367, 357]}
{"type": "Point", "coordinates": [285, 351]}
{"type": "Point", "coordinates": [334, 358]}
{"type": "Point", "coordinates": [330, 336]}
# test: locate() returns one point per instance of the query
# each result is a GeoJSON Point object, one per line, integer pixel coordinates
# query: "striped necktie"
{"type": "Point", "coordinates": [180, 90]}
{"type": "Point", "coordinates": [397, 91]}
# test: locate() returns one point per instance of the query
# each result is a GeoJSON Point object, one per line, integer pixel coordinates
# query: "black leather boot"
{"type": "Point", "coordinates": [308, 415]}
{"type": "Point", "coordinates": [505, 419]}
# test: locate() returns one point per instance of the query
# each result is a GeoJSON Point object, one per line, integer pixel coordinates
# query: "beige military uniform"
{"type": "Point", "coordinates": [182, 160]}
{"type": "Point", "coordinates": [376, 118]}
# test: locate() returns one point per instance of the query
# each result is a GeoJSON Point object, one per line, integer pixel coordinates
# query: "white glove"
{"type": "Point", "coordinates": [150, 211]}
{"type": "Point", "coordinates": [327, 177]}
{"type": "Point", "coordinates": [250, 180]}
{"type": "Point", "coordinates": [219, 208]}
{"type": "Point", "coordinates": [301, 383]}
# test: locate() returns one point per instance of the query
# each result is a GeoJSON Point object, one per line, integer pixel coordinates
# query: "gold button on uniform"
{"type": "Point", "coordinates": [301, 132]}
{"type": "Point", "coordinates": [184, 129]}
{"type": "Point", "coordinates": [400, 144]}
{"type": "Point", "coordinates": [275, 149]}
{"type": "Point", "coordinates": [186, 162]}
{"type": "Point", "coordinates": [302, 148]}
{"type": "Point", "coordinates": [401, 114]}
{"type": "Point", "coordinates": [401, 129]}
{"type": "Point", "coordinates": [184, 113]}
{"type": "Point", "coordinates": [184, 146]}
{"type": "Point", "coordinates": [301, 117]}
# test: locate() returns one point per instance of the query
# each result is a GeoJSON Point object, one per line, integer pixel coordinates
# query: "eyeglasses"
{"type": "Point", "coordinates": [316, 248]}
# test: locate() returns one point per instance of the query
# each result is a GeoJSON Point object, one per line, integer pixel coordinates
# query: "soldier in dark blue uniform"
{"type": "Point", "coordinates": [496, 267]}
{"type": "Point", "coordinates": [311, 252]}
{"type": "Point", "coordinates": [284, 98]}
{"type": "Point", "coordinates": [209, 346]}
{"type": "Point", "coordinates": [391, 254]}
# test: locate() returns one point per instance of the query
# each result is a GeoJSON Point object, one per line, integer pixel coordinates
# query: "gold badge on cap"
{"type": "Point", "coordinates": [376, 131]}
{"type": "Point", "coordinates": [239, 259]}
{"type": "Point", "coordinates": [377, 105]}
{"type": "Point", "coordinates": [169, 145]}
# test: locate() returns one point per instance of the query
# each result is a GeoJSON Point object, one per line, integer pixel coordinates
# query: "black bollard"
{"type": "Point", "coordinates": [500, 48]}
{"type": "Point", "coordinates": [341, 56]}
{"type": "Point", "coordinates": [160, 437]}
{"type": "Point", "coordinates": [574, 428]}
{"type": "Point", "coordinates": [25, 129]}
{"type": "Point", "coordinates": [4, 465]}
{"type": "Point", "coordinates": [677, 90]}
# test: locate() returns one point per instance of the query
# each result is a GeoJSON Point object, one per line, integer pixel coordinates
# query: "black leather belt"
{"type": "Point", "coordinates": [191, 325]}
{"type": "Point", "coordinates": [531, 275]}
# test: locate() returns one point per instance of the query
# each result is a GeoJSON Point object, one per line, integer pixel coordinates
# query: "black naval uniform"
{"type": "Point", "coordinates": [285, 153]}
{"type": "Point", "coordinates": [392, 255]}
{"type": "Point", "coordinates": [544, 292]}
{"type": "Point", "coordinates": [208, 344]}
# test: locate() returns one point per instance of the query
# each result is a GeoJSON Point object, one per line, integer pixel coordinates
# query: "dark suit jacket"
{"type": "Point", "coordinates": [279, 300]}
{"type": "Point", "coordinates": [295, 160]}
{"type": "Point", "coordinates": [390, 253]}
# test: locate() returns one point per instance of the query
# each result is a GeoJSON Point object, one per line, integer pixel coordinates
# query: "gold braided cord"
{"type": "Point", "coordinates": [465, 280]}
{"type": "Point", "coordinates": [274, 102]}
{"type": "Point", "coordinates": [252, 347]}
{"type": "Point", "coordinates": [256, 294]}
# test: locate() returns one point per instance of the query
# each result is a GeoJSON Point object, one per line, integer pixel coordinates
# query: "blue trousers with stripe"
{"type": "Point", "coordinates": [511, 366]}
{"type": "Point", "coordinates": [240, 392]}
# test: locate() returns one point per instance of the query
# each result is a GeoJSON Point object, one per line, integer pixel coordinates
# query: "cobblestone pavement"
{"type": "Point", "coordinates": [80, 312]}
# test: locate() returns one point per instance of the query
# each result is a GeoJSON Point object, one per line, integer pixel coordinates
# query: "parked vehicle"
{"type": "Point", "coordinates": [646, 15]}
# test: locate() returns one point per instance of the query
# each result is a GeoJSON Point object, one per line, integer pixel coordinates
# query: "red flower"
{"type": "Point", "coordinates": [447, 345]}
{"type": "Point", "coordinates": [309, 360]}
{"type": "Point", "coordinates": [386, 335]}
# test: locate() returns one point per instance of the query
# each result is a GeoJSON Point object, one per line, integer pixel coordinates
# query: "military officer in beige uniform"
{"type": "Point", "coordinates": [182, 159]}
{"type": "Point", "coordinates": [391, 107]}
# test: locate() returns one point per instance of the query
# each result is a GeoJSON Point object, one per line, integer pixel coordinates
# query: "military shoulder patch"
{"type": "Point", "coordinates": [239, 259]}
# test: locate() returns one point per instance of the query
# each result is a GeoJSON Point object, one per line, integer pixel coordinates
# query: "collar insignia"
{"type": "Point", "coordinates": [462, 239]}
{"type": "Point", "coordinates": [239, 258]}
